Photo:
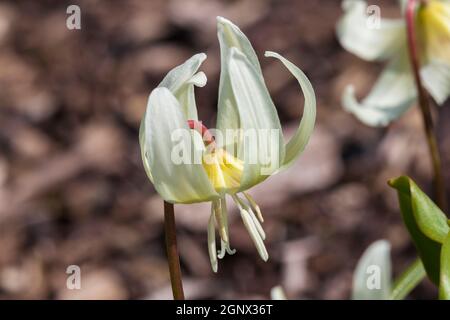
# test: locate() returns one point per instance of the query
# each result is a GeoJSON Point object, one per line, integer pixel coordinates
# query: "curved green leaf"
{"type": "Point", "coordinates": [430, 219]}
{"type": "Point", "coordinates": [425, 222]}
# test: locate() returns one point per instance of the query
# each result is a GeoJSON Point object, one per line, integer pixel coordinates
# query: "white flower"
{"type": "Point", "coordinates": [244, 104]}
{"type": "Point", "coordinates": [395, 90]}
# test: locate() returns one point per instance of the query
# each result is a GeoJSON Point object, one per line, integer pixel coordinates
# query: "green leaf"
{"type": "Point", "coordinates": [444, 285]}
{"type": "Point", "coordinates": [408, 280]}
{"type": "Point", "coordinates": [425, 222]}
{"type": "Point", "coordinates": [430, 219]}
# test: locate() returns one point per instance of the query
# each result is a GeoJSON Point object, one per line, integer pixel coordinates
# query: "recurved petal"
{"type": "Point", "coordinates": [171, 154]}
{"type": "Point", "coordinates": [362, 32]}
{"type": "Point", "coordinates": [181, 81]}
{"type": "Point", "coordinates": [436, 78]}
{"type": "Point", "coordinates": [297, 144]}
{"type": "Point", "coordinates": [392, 95]}
{"type": "Point", "coordinates": [261, 146]}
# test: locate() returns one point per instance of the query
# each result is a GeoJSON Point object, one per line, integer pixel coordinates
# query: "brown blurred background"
{"type": "Point", "coordinates": [73, 190]}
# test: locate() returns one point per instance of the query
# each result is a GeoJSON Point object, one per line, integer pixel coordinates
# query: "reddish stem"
{"type": "Point", "coordinates": [172, 252]}
{"type": "Point", "coordinates": [198, 126]}
{"type": "Point", "coordinates": [424, 104]}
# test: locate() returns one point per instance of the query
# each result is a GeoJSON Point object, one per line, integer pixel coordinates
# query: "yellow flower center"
{"type": "Point", "coordinates": [434, 27]}
{"type": "Point", "coordinates": [223, 169]}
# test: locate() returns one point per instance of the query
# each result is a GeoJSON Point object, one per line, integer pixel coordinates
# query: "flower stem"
{"type": "Point", "coordinates": [172, 252]}
{"type": "Point", "coordinates": [424, 103]}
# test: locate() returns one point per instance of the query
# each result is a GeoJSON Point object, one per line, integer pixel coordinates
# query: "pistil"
{"type": "Point", "coordinates": [198, 126]}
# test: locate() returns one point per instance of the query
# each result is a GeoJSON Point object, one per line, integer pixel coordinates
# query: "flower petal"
{"type": "Point", "coordinates": [433, 22]}
{"type": "Point", "coordinates": [369, 42]}
{"type": "Point", "coordinates": [297, 144]}
{"type": "Point", "coordinates": [372, 277]}
{"type": "Point", "coordinates": [436, 79]}
{"type": "Point", "coordinates": [177, 178]}
{"type": "Point", "coordinates": [143, 148]}
{"type": "Point", "coordinates": [181, 81]}
{"type": "Point", "coordinates": [262, 145]}
{"type": "Point", "coordinates": [392, 95]}
{"type": "Point", "coordinates": [230, 36]}
{"type": "Point", "coordinates": [277, 293]}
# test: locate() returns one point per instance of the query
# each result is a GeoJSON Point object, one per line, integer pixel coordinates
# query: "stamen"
{"type": "Point", "coordinates": [229, 250]}
{"type": "Point", "coordinates": [252, 215]}
{"type": "Point", "coordinates": [257, 224]}
{"type": "Point", "coordinates": [225, 246]}
{"type": "Point", "coordinates": [198, 126]}
{"type": "Point", "coordinates": [254, 206]}
{"type": "Point", "coordinates": [254, 235]}
{"type": "Point", "coordinates": [252, 229]}
{"type": "Point", "coordinates": [212, 250]}
{"type": "Point", "coordinates": [217, 209]}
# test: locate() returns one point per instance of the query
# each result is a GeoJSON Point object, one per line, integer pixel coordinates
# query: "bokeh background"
{"type": "Point", "coordinates": [73, 190]}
